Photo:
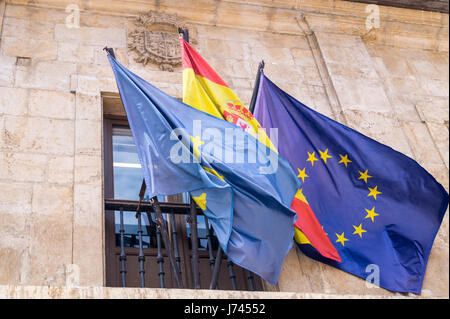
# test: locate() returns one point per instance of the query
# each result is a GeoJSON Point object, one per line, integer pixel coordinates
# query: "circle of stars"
{"type": "Point", "coordinates": [363, 176]}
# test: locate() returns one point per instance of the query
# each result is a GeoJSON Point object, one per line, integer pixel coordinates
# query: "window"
{"type": "Point", "coordinates": [123, 178]}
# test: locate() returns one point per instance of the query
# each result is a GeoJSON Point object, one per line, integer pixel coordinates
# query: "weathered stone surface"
{"type": "Point", "coordinates": [88, 143]}
{"type": "Point", "coordinates": [75, 52]}
{"type": "Point", "coordinates": [435, 87]}
{"type": "Point", "coordinates": [439, 172]}
{"type": "Point", "coordinates": [23, 28]}
{"type": "Point", "coordinates": [303, 57]}
{"type": "Point", "coordinates": [88, 169]}
{"type": "Point", "coordinates": [442, 236]}
{"type": "Point", "coordinates": [383, 127]}
{"type": "Point", "coordinates": [23, 167]}
{"type": "Point", "coordinates": [2, 132]}
{"type": "Point", "coordinates": [440, 135]}
{"type": "Point", "coordinates": [100, 56]}
{"type": "Point", "coordinates": [50, 247]}
{"type": "Point", "coordinates": [88, 219]}
{"type": "Point", "coordinates": [111, 37]}
{"type": "Point", "coordinates": [318, 98]}
{"type": "Point", "coordinates": [221, 49]}
{"type": "Point", "coordinates": [36, 48]}
{"type": "Point", "coordinates": [50, 15]}
{"type": "Point", "coordinates": [15, 198]}
{"type": "Point", "coordinates": [421, 143]}
{"type": "Point", "coordinates": [99, 71]}
{"type": "Point", "coordinates": [41, 135]}
{"type": "Point", "coordinates": [60, 170]}
{"type": "Point", "coordinates": [337, 281]}
{"type": "Point", "coordinates": [300, 273]}
{"type": "Point", "coordinates": [434, 109]}
{"type": "Point", "coordinates": [7, 70]}
{"type": "Point", "coordinates": [88, 107]}
{"type": "Point", "coordinates": [13, 101]}
{"type": "Point", "coordinates": [9, 263]}
{"type": "Point", "coordinates": [96, 292]}
{"type": "Point", "coordinates": [52, 199]}
{"type": "Point", "coordinates": [436, 281]}
{"type": "Point", "coordinates": [50, 104]}
{"type": "Point", "coordinates": [271, 54]}
{"type": "Point", "coordinates": [45, 75]}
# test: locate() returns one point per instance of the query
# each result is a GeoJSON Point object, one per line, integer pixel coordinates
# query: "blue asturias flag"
{"type": "Point", "coordinates": [244, 188]}
{"type": "Point", "coordinates": [379, 207]}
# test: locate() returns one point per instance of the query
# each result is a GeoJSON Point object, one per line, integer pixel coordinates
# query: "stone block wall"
{"type": "Point", "coordinates": [389, 82]}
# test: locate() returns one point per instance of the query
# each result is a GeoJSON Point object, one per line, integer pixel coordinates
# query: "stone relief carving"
{"type": "Point", "coordinates": [155, 39]}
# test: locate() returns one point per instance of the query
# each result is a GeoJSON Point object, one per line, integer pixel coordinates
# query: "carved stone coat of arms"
{"type": "Point", "coordinates": [155, 40]}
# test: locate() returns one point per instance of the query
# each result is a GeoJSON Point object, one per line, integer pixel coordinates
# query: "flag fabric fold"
{"type": "Point", "coordinates": [380, 208]}
{"type": "Point", "coordinates": [182, 149]}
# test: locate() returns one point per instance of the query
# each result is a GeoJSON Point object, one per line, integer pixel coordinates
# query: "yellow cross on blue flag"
{"type": "Point", "coordinates": [379, 208]}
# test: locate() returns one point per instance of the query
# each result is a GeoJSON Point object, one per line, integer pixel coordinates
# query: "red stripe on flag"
{"type": "Point", "coordinates": [310, 226]}
{"type": "Point", "coordinates": [191, 59]}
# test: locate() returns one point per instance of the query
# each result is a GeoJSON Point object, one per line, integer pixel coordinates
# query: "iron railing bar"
{"type": "Point", "coordinates": [160, 258]}
{"type": "Point", "coordinates": [194, 241]}
{"type": "Point", "coordinates": [141, 257]}
{"type": "Point", "coordinates": [210, 248]}
{"type": "Point", "coordinates": [216, 271]}
{"type": "Point", "coordinates": [123, 256]}
{"type": "Point", "coordinates": [232, 275]}
{"type": "Point", "coordinates": [250, 280]}
{"type": "Point", "coordinates": [165, 236]}
{"type": "Point", "coordinates": [175, 242]}
{"type": "Point", "coordinates": [146, 206]}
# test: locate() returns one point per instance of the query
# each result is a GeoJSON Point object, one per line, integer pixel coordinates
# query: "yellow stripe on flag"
{"type": "Point", "coordinates": [299, 195]}
{"type": "Point", "coordinates": [300, 237]}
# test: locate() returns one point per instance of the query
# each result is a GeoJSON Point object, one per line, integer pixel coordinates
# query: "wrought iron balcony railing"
{"type": "Point", "coordinates": [167, 240]}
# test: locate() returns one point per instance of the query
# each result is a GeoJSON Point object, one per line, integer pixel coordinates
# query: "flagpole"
{"type": "Point", "coordinates": [193, 214]}
{"type": "Point", "coordinates": [251, 107]}
{"type": "Point", "coordinates": [159, 221]}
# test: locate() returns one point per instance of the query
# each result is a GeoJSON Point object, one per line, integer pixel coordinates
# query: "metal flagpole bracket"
{"type": "Point", "coordinates": [110, 51]}
{"type": "Point", "coordinates": [261, 65]}
{"type": "Point", "coordinates": [184, 33]}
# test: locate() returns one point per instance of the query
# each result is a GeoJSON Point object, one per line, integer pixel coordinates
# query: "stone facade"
{"type": "Point", "coordinates": [387, 80]}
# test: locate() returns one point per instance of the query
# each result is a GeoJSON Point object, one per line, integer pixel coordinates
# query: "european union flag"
{"type": "Point", "coordinates": [244, 188]}
{"type": "Point", "coordinates": [379, 207]}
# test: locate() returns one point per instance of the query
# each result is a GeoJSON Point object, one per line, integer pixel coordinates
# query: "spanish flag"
{"type": "Point", "coordinates": [205, 90]}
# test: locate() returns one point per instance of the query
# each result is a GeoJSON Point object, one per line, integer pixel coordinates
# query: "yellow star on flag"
{"type": "Point", "coordinates": [374, 192]}
{"type": "Point", "coordinates": [364, 175]}
{"type": "Point", "coordinates": [359, 230]}
{"type": "Point", "coordinates": [213, 171]}
{"type": "Point", "coordinates": [371, 213]}
{"type": "Point", "coordinates": [311, 158]}
{"type": "Point", "coordinates": [200, 200]}
{"type": "Point", "coordinates": [196, 142]}
{"type": "Point", "coordinates": [324, 155]}
{"type": "Point", "coordinates": [302, 174]}
{"type": "Point", "coordinates": [344, 159]}
{"type": "Point", "coordinates": [341, 239]}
